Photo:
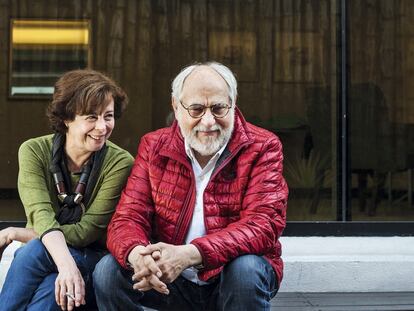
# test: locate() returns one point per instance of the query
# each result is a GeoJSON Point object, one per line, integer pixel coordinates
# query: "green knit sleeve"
{"type": "Point", "coordinates": [92, 226]}
{"type": "Point", "coordinates": [33, 187]}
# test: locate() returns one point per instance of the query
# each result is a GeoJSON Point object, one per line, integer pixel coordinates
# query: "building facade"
{"type": "Point", "coordinates": [332, 78]}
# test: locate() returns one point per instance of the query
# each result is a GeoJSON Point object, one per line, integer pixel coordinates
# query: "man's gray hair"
{"type": "Point", "coordinates": [223, 71]}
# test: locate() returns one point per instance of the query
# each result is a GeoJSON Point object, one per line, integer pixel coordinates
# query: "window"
{"type": "Point", "coordinates": [381, 109]}
{"type": "Point", "coordinates": [41, 50]}
{"type": "Point", "coordinates": [332, 78]}
{"type": "Point", "coordinates": [305, 105]}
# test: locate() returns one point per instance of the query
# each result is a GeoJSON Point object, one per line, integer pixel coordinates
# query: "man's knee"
{"type": "Point", "coordinates": [246, 283]}
{"type": "Point", "coordinates": [104, 269]}
{"type": "Point", "coordinates": [248, 271]}
{"type": "Point", "coordinates": [113, 286]}
{"type": "Point", "coordinates": [106, 274]}
{"type": "Point", "coordinates": [244, 265]}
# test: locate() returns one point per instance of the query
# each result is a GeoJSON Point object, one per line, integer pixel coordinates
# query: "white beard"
{"type": "Point", "coordinates": [212, 144]}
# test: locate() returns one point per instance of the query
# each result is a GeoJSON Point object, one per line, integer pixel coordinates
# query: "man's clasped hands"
{"type": "Point", "coordinates": [156, 265]}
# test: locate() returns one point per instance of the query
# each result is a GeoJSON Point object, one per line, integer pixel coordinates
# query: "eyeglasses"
{"type": "Point", "coordinates": [197, 111]}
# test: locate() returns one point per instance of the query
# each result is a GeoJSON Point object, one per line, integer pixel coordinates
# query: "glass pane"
{"type": "Point", "coordinates": [43, 50]}
{"type": "Point", "coordinates": [284, 53]}
{"type": "Point", "coordinates": [381, 108]}
{"type": "Point", "coordinates": [304, 110]}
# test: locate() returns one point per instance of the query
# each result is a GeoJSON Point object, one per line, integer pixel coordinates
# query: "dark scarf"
{"type": "Point", "coordinates": [72, 204]}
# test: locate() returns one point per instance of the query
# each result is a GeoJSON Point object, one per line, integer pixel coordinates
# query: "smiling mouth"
{"type": "Point", "coordinates": [97, 137]}
{"type": "Point", "coordinates": [208, 133]}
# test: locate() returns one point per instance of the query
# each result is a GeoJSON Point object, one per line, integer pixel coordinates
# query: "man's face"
{"type": "Point", "coordinates": [206, 135]}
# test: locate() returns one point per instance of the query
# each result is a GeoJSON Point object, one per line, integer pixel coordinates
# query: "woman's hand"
{"type": "Point", "coordinates": [69, 287]}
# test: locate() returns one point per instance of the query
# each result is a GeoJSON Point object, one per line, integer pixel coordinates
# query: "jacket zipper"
{"type": "Point", "coordinates": [178, 239]}
{"type": "Point", "coordinates": [227, 160]}
{"type": "Point", "coordinates": [223, 164]}
{"type": "Point", "coordinates": [184, 215]}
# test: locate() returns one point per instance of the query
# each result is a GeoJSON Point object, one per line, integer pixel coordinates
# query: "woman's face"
{"type": "Point", "coordinates": [88, 133]}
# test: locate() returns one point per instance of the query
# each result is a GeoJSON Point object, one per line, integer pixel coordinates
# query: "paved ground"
{"type": "Point", "coordinates": [344, 301]}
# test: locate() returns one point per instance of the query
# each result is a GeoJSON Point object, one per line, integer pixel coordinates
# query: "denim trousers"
{"type": "Point", "coordinates": [30, 281]}
{"type": "Point", "coordinates": [246, 283]}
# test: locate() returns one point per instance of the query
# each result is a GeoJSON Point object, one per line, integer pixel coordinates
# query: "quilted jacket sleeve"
{"type": "Point", "coordinates": [131, 223]}
{"type": "Point", "coordinates": [262, 216]}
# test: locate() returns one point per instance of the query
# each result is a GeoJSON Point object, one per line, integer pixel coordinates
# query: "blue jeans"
{"type": "Point", "coordinates": [246, 283]}
{"type": "Point", "coordinates": [30, 281]}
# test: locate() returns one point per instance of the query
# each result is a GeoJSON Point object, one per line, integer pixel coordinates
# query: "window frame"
{"type": "Point", "coordinates": [35, 96]}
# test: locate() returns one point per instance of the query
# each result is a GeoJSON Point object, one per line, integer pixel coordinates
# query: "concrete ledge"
{"type": "Point", "coordinates": [333, 264]}
{"type": "Point", "coordinates": [348, 264]}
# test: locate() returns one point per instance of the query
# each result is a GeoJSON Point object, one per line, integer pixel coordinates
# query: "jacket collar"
{"type": "Point", "coordinates": [174, 145]}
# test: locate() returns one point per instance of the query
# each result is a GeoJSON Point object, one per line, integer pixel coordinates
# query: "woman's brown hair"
{"type": "Point", "coordinates": [81, 92]}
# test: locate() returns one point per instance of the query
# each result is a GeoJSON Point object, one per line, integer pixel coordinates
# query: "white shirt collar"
{"type": "Point", "coordinates": [190, 153]}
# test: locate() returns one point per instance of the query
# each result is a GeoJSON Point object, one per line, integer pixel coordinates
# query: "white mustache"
{"type": "Point", "coordinates": [203, 128]}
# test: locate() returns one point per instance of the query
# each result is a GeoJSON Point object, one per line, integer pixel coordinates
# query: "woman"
{"type": "Point", "coordinates": [69, 184]}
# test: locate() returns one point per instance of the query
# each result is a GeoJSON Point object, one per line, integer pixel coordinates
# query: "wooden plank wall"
{"type": "Point", "coordinates": [144, 43]}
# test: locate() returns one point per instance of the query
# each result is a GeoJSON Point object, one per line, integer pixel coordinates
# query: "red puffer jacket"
{"type": "Point", "coordinates": [244, 202]}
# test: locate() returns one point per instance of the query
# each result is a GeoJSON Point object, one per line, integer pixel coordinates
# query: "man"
{"type": "Point", "coordinates": [208, 193]}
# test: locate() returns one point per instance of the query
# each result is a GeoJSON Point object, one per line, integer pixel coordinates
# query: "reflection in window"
{"type": "Point", "coordinates": [381, 105]}
{"type": "Point", "coordinates": [43, 50]}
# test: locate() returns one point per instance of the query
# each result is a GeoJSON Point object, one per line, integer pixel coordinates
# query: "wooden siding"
{"type": "Point", "coordinates": [277, 48]}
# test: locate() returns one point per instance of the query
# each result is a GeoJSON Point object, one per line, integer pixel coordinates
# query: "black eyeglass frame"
{"type": "Point", "coordinates": [228, 107]}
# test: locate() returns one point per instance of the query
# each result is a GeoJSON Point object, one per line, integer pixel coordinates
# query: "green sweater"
{"type": "Point", "coordinates": [38, 194]}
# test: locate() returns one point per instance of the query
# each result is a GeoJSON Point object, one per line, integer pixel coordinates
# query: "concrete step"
{"type": "Point", "coordinates": [336, 264]}
{"type": "Point", "coordinates": [348, 264]}
{"type": "Point", "coordinates": [383, 301]}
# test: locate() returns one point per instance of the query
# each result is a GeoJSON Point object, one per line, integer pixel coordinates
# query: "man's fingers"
{"type": "Point", "coordinates": [142, 272]}
{"type": "Point", "coordinates": [156, 255]}
{"type": "Point", "coordinates": [136, 277]}
{"type": "Point", "coordinates": [158, 285]}
{"type": "Point", "coordinates": [151, 282]}
{"type": "Point", "coordinates": [152, 266]}
{"type": "Point", "coordinates": [142, 288]}
{"type": "Point", "coordinates": [151, 248]}
{"type": "Point", "coordinates": [143, 283]}
{"type": "Point", "coordinates": [139, 275]}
